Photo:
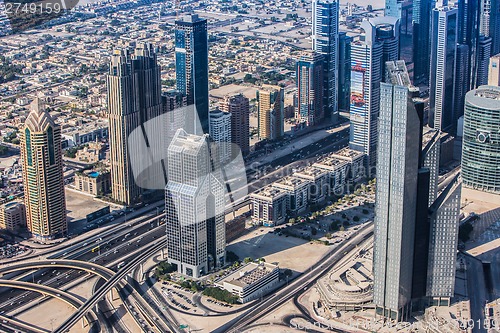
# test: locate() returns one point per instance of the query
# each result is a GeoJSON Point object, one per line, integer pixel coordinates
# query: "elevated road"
{"type": "Point", "coordinates": [46, 290]}
{"type": "Point", "coordinates": [89, 267]}
{"type": "Point", "coordinates": [9, 324]}
{"type": "Point", "coordinates": [109, 285]}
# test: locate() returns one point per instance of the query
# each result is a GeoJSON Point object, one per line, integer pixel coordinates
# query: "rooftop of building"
{"type": "Point", "coordinates": [331, 162]}
{"type": "Point", "coordinates": [250, 274]}
{"type": "Point", "coordinates": [397, 73]}
{"type": "Point", "coordinates": [291, 181]}
{"type": "Point", "coordinates": [269, 192]}
{"type": "Point", "coordinates": [347, 153]}
{"type": "Point", "coordinates": [311, 171]}
{"type": "Point", "coordinates": [487, 97]}
{"type": "Point", "coordinates": [12, 204]}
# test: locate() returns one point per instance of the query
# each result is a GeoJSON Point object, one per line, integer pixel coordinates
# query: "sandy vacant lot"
{"type": "Point", "coordinates": [289, 252]}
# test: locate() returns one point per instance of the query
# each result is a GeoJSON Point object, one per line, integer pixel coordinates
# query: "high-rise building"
{"type": "Point", "coordinates": [421, 40]}
{"type": "Point", "coordinates": [13, 216]}
{"type": "Point", "coordinates": [194, 207]}
{"type": "Point", "coordinates": [191, 68]}
{"type": "Point", "coordinates": [344, 71]}
{"type": "Point", "coordinates": [325, 41]}
{"type": "Point", "coordinates": [239, 108]}
{"type": "Point", "coordinates": [444, 219]}
{"type": "Point", "coordinates": [442, 69]}
{"type": "Point", "coordinates": [494, 71]}
{"type": "Point", "coordinates": [490, 23]}
{"type": "Point", "coordinates": [468, 34]}
{"type": "Point", "coordinates": [431, 150]}
{"type": "Point", "coordinates": [271, 100]}
{"type": "Point", "coordinates": [220, 133]}
{"type": "Point", "coordinates": [134, 97]}
{"type": "Point", "coordinates": [480, 150]}
{"type": "Point", "coordinates": [393, 8]}
{"type": "Point", "coordinates": [41, 158]}
{"type": "Point", "coordinates": [462, 80]}
{"type": "Point", "coordinates": [483, 61]}
{"type": "Point", "coordinates": [309, 75]}
{"type": "Point", "coordinates": [378, 44]}
{"type": "Point", "coordinates": [395, 208]}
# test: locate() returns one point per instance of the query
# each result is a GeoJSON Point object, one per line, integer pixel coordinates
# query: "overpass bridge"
{"type": "Point", "coordinates": [64, 296]}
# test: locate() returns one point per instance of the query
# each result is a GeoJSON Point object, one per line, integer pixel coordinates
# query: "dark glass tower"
{"type": "Point", "coordinates": [344, 71]}
{"type": "Point", "coordinates": [191, 66]}
{"type": "Point", "coordinates": [421, 41]}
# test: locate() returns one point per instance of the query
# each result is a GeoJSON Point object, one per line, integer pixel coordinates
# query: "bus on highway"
{"type": "Point", "coordinates": [95, 249]}
{"type": "Point", "coordinates": [120, 265]}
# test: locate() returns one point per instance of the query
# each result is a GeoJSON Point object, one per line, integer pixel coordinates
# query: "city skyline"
{"type": "Point", "coordinates": [236, 167]}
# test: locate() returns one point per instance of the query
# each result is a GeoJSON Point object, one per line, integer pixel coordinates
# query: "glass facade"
{"type": "Point", "coordinates": [325, 36]}
{"type": "Point", "coordinates": [191, 66]}
{"type": "Point", "coordinates": [481, 140]}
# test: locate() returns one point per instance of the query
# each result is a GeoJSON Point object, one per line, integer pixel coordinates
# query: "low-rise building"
{"type": "Point", "coordinates": [235, 228]}
{"type": "Point", "coordinates": [357, 161]}
{"type": "Point", "coordinates": [13, 216]}
{"type": "Point", "coordinates": [93, 153]}
{"type": "Point", "coordinates": [93, 182]}
{"type": "Point", "coordinates": [251, 281]}
{"type": "Point", "coordinates": [318, 178]}
{"type": "Point", "coordinates": [269, 206]}
{"type": "Point", "coordinates": [298, 192]}
{"type": "Point", "coordinates": [338, 172]}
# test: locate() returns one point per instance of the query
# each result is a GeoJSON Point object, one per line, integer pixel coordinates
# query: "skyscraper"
{"type": "Point", "coordinates": [379, 43]}
{"type": "Point", "coordinates": [494, 71]}
{"type": "Point", "coordinates": [194, 207]}
{"type": "Point", "coordinates": [344, 71]}
{"type": "Point", "coordinates": [462, 80]}
{"type": "Point", "coordinates": [490, 22]}
{"type": "Point", "coordinates": [483, 61]}
{"type": "Point", "coordinates": [220, 133]}
{"type": "Point", "coordinates": [480, 150]}
{"type": "Point", "coordinates": [134, 97]}
{"type": "Point", "coordinates": [325, 41]}
{"type": "Point", "coordinates": [191, 68]}
{"type": "Point", "coordinates": [393, 8]}
{"type": "Point", "coordinates": [270, 100]}
{"type": "Point", "coordinates": [41, 158]}
{"type": "Point", "coordinates": [431, 150]}
{"type": "Point", "coordinates": [309, 75]}
{"type": "Point", "coordinates": [421, 40]}
{"type": "Point", "coordinates": [468, 34]}
{"type": "Point", "coordinates": [442, 69]}
{"type": "Point", "coordinates": [395, 208]}
{"type": "Point", "coordinates": [239, 108]}
{"type": "Point", "coordinates": [444, 220]}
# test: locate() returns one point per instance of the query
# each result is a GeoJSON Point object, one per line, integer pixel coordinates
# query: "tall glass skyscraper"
{"type": "Point", "coordinates": [191, 67]}
{"type": "Point", "coordinates": [344, 71]}
{"type": "Point", "coordinates": [395, 205]}
{"type": "Point", "coordinates": [443, 241]}
{"type": "Point", "coordinates": [421, 40]}
{"type": "Point", "coordinates": [378, 44]}
{"type": "Point", "coordinates": [194, 207]}
{"type": "Point", "coordinates": [309, 74]}
{"type": "Point", "coordinates": [134, 98]}
{"type": "Point", "coordinates": [490, 23]}
{"type": "Point", "coordinates": [325, 41]}
{"type": "Point", "coordinates": [41, 159]}
{"type": "Point", "coordinates": [442, 70]}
